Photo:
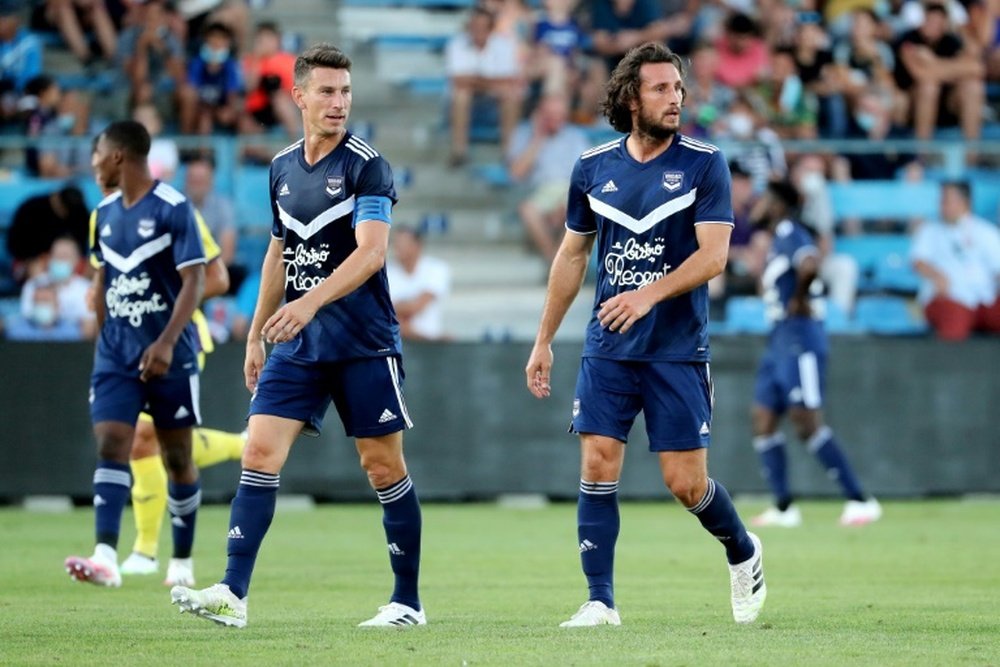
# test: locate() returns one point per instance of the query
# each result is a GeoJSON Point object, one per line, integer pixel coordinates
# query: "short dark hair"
{"type": "Point", "coordinates": [936, 7]}
{"type": "Point", "coordinates": [623, 87]}
{"type": "Point", "coordinates": [785, 192]}
{"type": "Point", "coordinates": [220, 28]}
{"type": "Point", "coordinates": [130, 136]}
{"type": "Point", "coordinates": [961, 187]}
{"type": "Point", "coordinates": [268, 26]}
{"type": "Point", "coordinates": [38, 85]}
{"type": "Point", "coordinates": [415, 232]}
{"type": "Point", "coordinates": [741, 24]}
{"type": "Point", "coordinates": [322, 55]}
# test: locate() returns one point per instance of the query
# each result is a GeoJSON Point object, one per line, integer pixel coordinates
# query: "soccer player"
{"type": "Point", "coordinates": [658, 204]}
{"type": "Point", "coordinates": [792, 373]}
{"type": "Point", "coordinates": [336, 338]}
{"type": "Point", "coordinates": [152, 272]}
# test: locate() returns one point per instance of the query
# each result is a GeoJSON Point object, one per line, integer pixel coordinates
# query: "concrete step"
{"type": "Point", "coordinates": [510, 313]}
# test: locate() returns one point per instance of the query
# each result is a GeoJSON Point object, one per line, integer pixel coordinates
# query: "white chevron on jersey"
{"type": "Point", "coordinates": [658, 214]}
{"type": "Point", "coordinates": [138, 256]}
{"type": "Point", "coordinates": [306, 229]}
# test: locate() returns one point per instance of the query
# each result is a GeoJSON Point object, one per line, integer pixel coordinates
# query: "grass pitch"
{"type": "Point", "coordinates": [919, 588]}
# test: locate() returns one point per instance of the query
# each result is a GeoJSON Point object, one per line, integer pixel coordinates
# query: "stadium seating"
{"type": "Point", "coordinates": [884, 200]}
{"type": "Point", "coordinates": [745, 315]}
{"type": "Point", "coordinates": [888, 316]}
{"type": "Point", "coordinates": [883, 261]}
{"type": "Point", "coordinates": [250, 192]}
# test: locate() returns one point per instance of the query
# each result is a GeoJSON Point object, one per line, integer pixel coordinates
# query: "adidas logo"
{"type": "Point", "coordinates": [387, 416]}
{"type": "Point", "coordinates": [609, 187]}
{"type": "Point", "coordinates": [235, 533]}
{"type": "Point", "coordinates": [704, 429]}
{"type": "Point", "coordinates": [181, 413]}
{"type": "Point", "coordinates": [587, 545]}
{"type": "Point", "coordinates": [105, 231]}
{"type": "Point", "coordinates": [284, 190]}
{"type": "Point", "coordinates": [179, 522]}
{"type": "Point", "coordinates": [394, 550]}
{"type": "Point", "coordinates": [98, 501]}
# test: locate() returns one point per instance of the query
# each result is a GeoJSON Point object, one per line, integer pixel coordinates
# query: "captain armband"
{"type": "Point", "coordinates": [373, 207]}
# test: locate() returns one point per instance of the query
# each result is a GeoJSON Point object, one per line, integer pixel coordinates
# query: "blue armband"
{"type": "Point", "coordinates": [373, 207]}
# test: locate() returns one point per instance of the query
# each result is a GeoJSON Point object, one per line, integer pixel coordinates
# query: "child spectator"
{"type": "Point", "coordinates": [216, 78]}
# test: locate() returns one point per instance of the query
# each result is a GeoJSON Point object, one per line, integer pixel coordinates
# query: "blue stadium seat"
{"type": "Point", "coordinates": [894, 273]}
{"type": "Point", "coordinates": [745, 315]}
{"type": "Point", "coordinates": [251, 248]}
{"type": "Point", "coordinates": [884, 200]}
{"type": "Point", "coordinates": [869, 250]}
{"type": "Point", "coordinates": [888, 316]}
{"type": "Point", "coordinates": [494, 174]}
{"type": "Point", "coordinates": [253, 205]}
{"type": "Point", "coordinates": [837, 320]}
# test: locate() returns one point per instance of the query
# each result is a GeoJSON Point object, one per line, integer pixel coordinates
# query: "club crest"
{"type": "Point", "coordinates": [334, 185]}
{"type": "Point", "coordinates": [673, 180]}
{"type": "Point", "coordinates": [146, 227]}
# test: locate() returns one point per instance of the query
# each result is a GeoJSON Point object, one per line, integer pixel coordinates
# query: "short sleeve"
{"type": "Point", "coordinates": [922, 249]}
{"type": "Point", "coordinates": [439, 279]}
{"type": "Point", "coordinates": [579, 216]}
{"type": "Point", "coordinates": [234, 76]}
{"type": "Point", "coordinates": [375, 180]}
{"type": "Point", "coordinates": [96, 258]}
{"type": "Point", "coordinates": [713, 202]}
{"type": "Point", "coordinates": [277, 227]}
{"type": "Point", "coordinates": [185, 238]}
{"type": "Point", "coordinates": [457, 59]}
{"type": "Point", "coordinates": [212, 250]}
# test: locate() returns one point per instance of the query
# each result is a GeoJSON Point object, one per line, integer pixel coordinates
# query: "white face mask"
{"type": "Point", "coordinates": [740, 125]}
{"type": "Point", "coordinates": [43, 314]}
{"type": "Point", "coordinates": [811, 182]}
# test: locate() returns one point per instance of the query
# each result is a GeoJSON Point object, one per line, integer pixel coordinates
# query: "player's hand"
{"type": "Point", "coordinates": [254, 363]}
{"type": "Point", "coordinates": [290, 319]}
{"type": "Point", "coordinates": [156, 360]}
{"type": "Point", "coordinates": [620, 312]}
{"type": "Point", "coordinates": [799, 306]}
{"type": "Point", "coordinates": [941, 284]}
{"type": "Point", "coordinates": [539, 370]}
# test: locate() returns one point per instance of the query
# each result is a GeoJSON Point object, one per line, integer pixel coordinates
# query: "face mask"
{"type": "Point", "coordinates": [811, 182]}
{"type": "Point", "coordinates": [213, 57]}
{"type": "Point", "coordinates": [43, 314]}
{"type": "Point", "coordinates": [60, 270]}
{"type": "Point", "coordinates": [66, 121]}
{"type": "Point", "coordinates": [865, 120]}
{"type": "Point", "coordinates": [740, 125]}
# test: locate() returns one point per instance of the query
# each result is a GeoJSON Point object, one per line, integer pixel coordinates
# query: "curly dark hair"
{"type": "Point", "coordinates": [623, 87]}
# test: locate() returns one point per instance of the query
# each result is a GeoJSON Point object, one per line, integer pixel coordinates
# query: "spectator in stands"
{"type": "Point", "coordinates": [268, 76]}
{"type": "Point", "coordinates": [43, 322]}
{"type": "Point", "coordinates": [74, 19]}
{"type": "Point", "coordinates": [197, 14]}
{"type": "Point", "coordinates": [20, 58]}
{"type": "Point", "coordinates": [747, 246]}
{"type": "Point", "coordinates": [760, 152]}
{"type": "Point", "coordinates": [959, 261]}
{"type": "Point", "coordinates": [743, 55]}
{"type": "Point", "coordinates": [151, 56]}
{"type": "Point", "coordinates": [164, 158]}
{"type": "Point", "coordinates": [820, 78]}
{"type": "Point", "coordinates": [480, 61]}
{"type": "Point", "coordinates": [70, 287]}
{"type": "Point", "coordinates": [706, 101]}
{"type": "Point", "coordinates": [541, 156]}
{"type": "Point", "coordinates": [39, 221]}
{"type": "Point", "coordinates": [216, 77]}
{"type": "Point", "coordinates": [419, 285]}
{"type": "Point", "coordinates": [790, 108]}
{"type": "Point", "coordinates": [942, 77]}
{"type": "Point", "coordinates": [619, 25]}
{"type": "Point", "coordinates": [52, 117]}
{"type": "Point", "coordinates": [219, 214]}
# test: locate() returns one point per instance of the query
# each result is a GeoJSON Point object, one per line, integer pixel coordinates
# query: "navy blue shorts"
{"type": "Point", "coordinates": [172, 401]}
{"type": "Point", "coordinates": [789, 378]}
{"type": "Point", "coordinates": [674, 397]}
{"type": "Point", "coordinates": [368, 394]}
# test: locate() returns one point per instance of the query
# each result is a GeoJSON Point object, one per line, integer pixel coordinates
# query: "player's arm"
{"type": "Point", "coordinates": [806, 270]}
{"type": "Point", "coordinates": [158, 356]}
{"type": "Point", "coordinates": [216, 273]}
{"type": "Point", "coordinates": [95, 296]}
{"type": "Point", "coordinates": [372, 236]}
{"type": "Point", "coordinates": [269, 297]}
{"type": "Point", "coordinates": [569, 268]}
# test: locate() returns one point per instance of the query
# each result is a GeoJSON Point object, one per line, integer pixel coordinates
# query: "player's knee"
{"type": "Point", "coordinates": [177, 460]}
{"type": "Point", "coordinates": [687, 490]}
{"type": "Point", "coordinates": [260, 457]}
{"type": "Point", "coordinates": [381, 474]}
{"type": "Point", "coordinates": [114, 447]}
{"type": "Point", "coordinates": [145, 443]}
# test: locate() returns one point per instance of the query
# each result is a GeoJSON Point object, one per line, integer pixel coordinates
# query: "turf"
{"type": "Point", "coordinates": [920, 587]}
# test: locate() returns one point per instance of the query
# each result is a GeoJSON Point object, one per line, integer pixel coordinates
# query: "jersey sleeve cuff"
{"type": "Point", "coordinates": [715, 222]}
{"type": "Point", "coordinates": [803, 252]}
{"type": "Point", "coordinates": [191, 262]}
{"type": "Point", "coordinates": [578, 232]}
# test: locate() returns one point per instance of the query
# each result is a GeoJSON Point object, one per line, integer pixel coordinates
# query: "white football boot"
{"type": "Point", "coordinates": [592, 613]}
{"type": "Point", "coordinates": [395, 614]}
{"type": "Point", "coordinates": [180, 572]}
{"type": "Point", "coordinates": [860, 512]}
{"type": "Point", "coordinates": [101, 569]}
{"type": "Point", "coordinates": [746, 580]}
{"type": "Point", "coordinates": [215, 603]}
{"type": "Point", "coordinates": [772, 516]}
{"type": "Point", "coordinates": [138, 564]}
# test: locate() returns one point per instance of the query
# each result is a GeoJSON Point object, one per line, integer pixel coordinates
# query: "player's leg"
{"type": "Point", "coordinates": [183, 501]}
{"type": "Point", "coordinates": [604, 408]}
{"type": "Point", "coordinates": [770, 402]}
{"type": "Point", "coordinates": [677, 403]}
{"type": "Point", "coordinates": [149, 498]}
{"type": "Point", "coordinates": [210, 447]}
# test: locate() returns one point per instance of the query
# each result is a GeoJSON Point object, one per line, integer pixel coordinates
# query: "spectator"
{"type": "Point", "coordinates": [619, 25]}
{"type": "Point", "coordinates": [706, 101]}
{"type": "Point", "coordinates": [164, 157]}
{"type": "Point", "coordinates": [151, 56]}
{"type": "Point", "coordinates": [75, 18]}
{"type": "Point", "coordinates": [481, 61]}
{"type": "Point", "coordinates": [70, 287]}
{"type": "Point", "coordinates": [39, 221]}
{"type": "Point", "coordinates": [791, 109]}
{"type": "Point", "coordinates": [20, 58]}
{"type": "Point", "coordinates": [197, 14]}
{"type": "Point", "coordinates": [542, 154]}
{"type": "Point", "coordinates": [419, 285]}
{"type": "Point", "coordinates": [959, 261]}
{"type": "Point", "coordinates": [760, 154]}
{"type": "Point", "coordinates": [216, 78]}
{"type": "Point", "coordinates": [942, 77]}
{"type": "Point", "coordinates": [269, 79]}
{"type": "Point", "coordinates": [747, 246]}
{"type": "Point", "coordinates": [219, 214]}
{"type": "Point", "coordinates": [52, 117]}
{"type": "Point", "coordinates": [743, 56]}
{"type": "Point", "coordinates": [43, 322]}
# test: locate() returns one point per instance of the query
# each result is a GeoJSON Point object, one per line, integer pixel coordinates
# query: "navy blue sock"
{"type": "Point", "coordinates": [598, 523]}
{"type": "Point", "coordinates": [112, 483]}
{"type": "Point", "coordinates": [402, 522]}
{"type": "Point", "coordinates": [774, 466]}
{"type": "Point", "coordinates": [718, 515]}
{"type": "Point", "coordinates": [824, 446]}
{"type": "Point", "coordinates": [183, 501]}
{"type": "Point", "coordinates": [249, 519]}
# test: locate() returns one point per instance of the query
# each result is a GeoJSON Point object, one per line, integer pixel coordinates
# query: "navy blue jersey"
{"type": "Point", "coordinates": [792, 243]}
{"type": "Point", "coordinates": [314, 211]}
{"type": "Point", "coordinates": [142, 248]}
{"type": "Point", "coordinates": [644, 215]}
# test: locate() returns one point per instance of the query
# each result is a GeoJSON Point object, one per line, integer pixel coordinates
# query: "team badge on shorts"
{"type": "Point", "coordinates": [334, 185]}
{"type": "Point", "coordinates": [673, 180]}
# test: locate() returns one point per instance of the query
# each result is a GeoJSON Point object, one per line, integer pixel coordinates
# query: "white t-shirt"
{"type": "Point", "coordinates": [968, 253]}
{"type": "Point", "coordinates": [497, 60]}
{"type": "Point", "coordinates": [430, 275]}
{"type": "Point", "coordinates": [72, 296]}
